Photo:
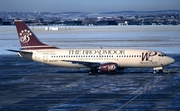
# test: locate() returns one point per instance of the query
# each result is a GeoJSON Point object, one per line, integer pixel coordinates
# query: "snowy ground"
{"type": "Point", "coordinates": [30, 86]}
{"type": "Point", "coordinates": [162, 38]}
{"type": "Point", "coordinates": [27, 85]}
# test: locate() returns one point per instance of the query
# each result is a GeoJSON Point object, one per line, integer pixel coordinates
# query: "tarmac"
{"type": "Point", "coordinates": [30, 86]}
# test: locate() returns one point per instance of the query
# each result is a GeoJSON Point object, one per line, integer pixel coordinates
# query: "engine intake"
{"type": "Point", "coordinates": [108, 67]}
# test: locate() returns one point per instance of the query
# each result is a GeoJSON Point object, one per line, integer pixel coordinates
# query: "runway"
{"type": "Point", "coordinates": [27, 85]}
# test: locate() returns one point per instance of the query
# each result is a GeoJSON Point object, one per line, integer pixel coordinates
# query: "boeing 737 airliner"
{"type": "Point", "coordinates": [98, 60]}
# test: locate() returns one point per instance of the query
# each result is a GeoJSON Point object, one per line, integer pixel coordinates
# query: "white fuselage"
{"type": "Point", "coordinates": [103, 60]}
{"type": "Point", "coordinates": [125, 58]}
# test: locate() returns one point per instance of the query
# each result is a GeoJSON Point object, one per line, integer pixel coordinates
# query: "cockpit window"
{"type": "Point", "coordinates": [161, 55]}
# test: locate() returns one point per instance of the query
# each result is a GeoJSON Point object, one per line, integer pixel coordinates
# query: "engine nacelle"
{"type": "Point", "coordinates": [108, 67]}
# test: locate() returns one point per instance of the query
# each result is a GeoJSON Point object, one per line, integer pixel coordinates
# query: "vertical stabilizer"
{"type": "Point", "coordinates": [28, 39]}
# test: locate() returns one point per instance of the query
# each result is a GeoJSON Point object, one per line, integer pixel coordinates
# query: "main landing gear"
{"type": "Point", "coordinates": [93, 71]}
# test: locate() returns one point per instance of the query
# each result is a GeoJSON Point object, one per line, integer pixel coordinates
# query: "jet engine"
{"type": "Point", "coordinates": [108, 67]}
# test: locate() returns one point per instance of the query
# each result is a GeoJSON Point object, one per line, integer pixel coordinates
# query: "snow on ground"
{"type": "Point", "coordinates": [162, 38]}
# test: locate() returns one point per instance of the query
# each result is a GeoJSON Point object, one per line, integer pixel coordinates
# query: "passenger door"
{"type": "Point", "coordinates": [45, 57]}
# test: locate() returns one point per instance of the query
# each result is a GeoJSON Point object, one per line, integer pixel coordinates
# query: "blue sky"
{"type": "Point", "coordinates": [88, 6]}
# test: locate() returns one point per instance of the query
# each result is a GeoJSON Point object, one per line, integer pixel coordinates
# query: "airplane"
{"type": "Point", "coordinates": [98, 60]}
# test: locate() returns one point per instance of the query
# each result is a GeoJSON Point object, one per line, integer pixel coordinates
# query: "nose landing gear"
{"type": "Point", "coordinates": [158, 70]}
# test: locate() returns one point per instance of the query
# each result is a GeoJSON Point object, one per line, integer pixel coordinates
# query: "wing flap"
{"type": "Point", "coordinates": [87, 64]}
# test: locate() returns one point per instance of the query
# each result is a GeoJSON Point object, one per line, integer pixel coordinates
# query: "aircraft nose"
{"type": "Point", "coordinates": [171, 60]}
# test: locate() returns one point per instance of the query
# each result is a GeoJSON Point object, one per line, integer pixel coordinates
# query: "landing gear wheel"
{"type": "Point", "coordinates": [93, 71]}
{"type": "Point", "coordinates": [154, 71]}
{"type": "Point", "coordinates": [160, 71]}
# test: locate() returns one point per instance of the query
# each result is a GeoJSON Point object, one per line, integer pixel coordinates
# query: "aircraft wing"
{"type": "Point", "coordinates": [87, 64]}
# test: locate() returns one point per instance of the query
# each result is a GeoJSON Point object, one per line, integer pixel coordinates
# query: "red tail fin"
{"type": "Point", "coordinates": [28, 39]}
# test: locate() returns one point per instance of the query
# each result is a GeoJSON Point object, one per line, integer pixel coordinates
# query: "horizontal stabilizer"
{"type": "Point", "coordinates": [19, 51]}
